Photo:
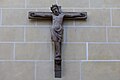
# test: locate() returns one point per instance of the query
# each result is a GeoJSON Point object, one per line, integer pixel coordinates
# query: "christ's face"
{"type": "Point", "coordinates": [55, 11]}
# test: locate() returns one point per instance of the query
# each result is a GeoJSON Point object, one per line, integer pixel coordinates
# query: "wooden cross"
{"type": "Point", "coordinates": [57, 17]}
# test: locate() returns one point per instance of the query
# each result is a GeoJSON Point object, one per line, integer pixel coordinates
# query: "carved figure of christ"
{"type": "Point", "coordinates": [57, 17]}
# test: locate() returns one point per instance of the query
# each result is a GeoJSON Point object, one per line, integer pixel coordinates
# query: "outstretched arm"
{"type": "Point", "coordinates": [40, 15]}
{"type": "Point", "coordinates": [75, 15]}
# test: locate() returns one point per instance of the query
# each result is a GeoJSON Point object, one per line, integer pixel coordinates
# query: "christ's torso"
{"type": "Point", "coordinates": [57, 21]}
{"type": "Point", "coordinates": [57, 29]}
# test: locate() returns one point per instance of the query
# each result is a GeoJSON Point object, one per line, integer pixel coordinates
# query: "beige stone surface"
{"type": "Point", "coordinates": [12, 3]}
{"type": "Point", "coordinates": [74, 51]}
{"type": "Point", "coordinates": [105, 3]}
{"type": "Point", "coordinates": [0, 18]}
{"type": "Point", "coordinates": [113, 34]}
{"type": "Point", "coordinates": [44, 23]}
{"type": "Point", "coordinates": [38, 34]}
{"type": "Point", "coordinates": [11, 34]}
{"type": "Point", "coordinates": [96, 17]}
{"type": "Point", "coordinates": [45, 71]}
{"type": "Point", "coordinates": [6, 51]}
{"type": "Point", "coordinates": [100, 71]}
{"type": "Point", "coordinates": [104, 51]}
{"type": "Point", "coordinates": [74, 4]}
{"type": "Point", "coordinates": [40, 3]}
{"type": "Point", "coordinates": [33, 51]}
{"type": "Point", "coordinates": [115, 17]}
{"type": "Point", "coordinates": [16, 17]}
{"type": "Point", "coordinates": [85, 34]}
{"type": "Point", "coordinates": [32, 39]}
{"type": "Point", "coordinates": [71, 71]}
{"type": "Point", "coordinates": [16, 71]}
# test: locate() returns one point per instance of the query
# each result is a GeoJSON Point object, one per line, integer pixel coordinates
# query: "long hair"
{"type": "Point", "coordinates": [55, 5]}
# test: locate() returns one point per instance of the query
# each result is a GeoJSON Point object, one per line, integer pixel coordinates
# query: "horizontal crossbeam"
{"type": "Point", "coordinates": [67, 15]}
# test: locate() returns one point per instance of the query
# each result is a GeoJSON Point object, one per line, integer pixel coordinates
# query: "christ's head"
{"type": "Point", "coordinates": [55, 9]}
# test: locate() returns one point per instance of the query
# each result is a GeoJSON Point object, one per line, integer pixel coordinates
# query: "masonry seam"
{"type": "Point", "coordinates": [86, 50]}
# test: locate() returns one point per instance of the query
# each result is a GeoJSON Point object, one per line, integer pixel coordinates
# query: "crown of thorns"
{"type": "Point", "coordinates": [54, 6]}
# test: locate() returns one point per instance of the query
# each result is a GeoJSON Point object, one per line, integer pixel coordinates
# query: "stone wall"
{"type": "Point", "coordinates": [91, 49]}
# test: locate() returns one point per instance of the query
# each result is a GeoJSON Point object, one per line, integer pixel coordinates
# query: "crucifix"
{"type": "Point", "coordinates": [56, 30]}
